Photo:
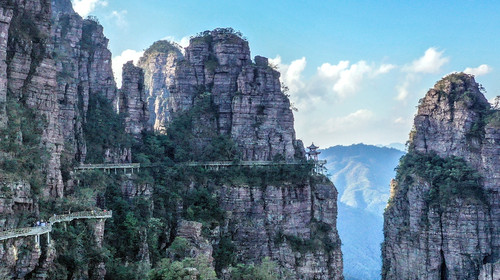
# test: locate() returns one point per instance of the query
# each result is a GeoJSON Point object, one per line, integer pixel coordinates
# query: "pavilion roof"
{"type": "Point", "coordinates": [312, 147]}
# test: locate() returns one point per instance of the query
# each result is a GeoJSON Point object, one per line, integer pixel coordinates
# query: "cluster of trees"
{"type": "Point", "coordinates": [448, 177]}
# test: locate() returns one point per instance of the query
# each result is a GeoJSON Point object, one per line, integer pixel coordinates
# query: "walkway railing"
{"type": "Point", "coordinates": [207, 163]}
{"type": "Point", "coordinates": [38, 230]}
{"type": "Point", "coordinates": [130, 167]}
{"type": "Point", "coordinates": [29, 231]}
{"type": "Point", "coordinates": [107, 167]}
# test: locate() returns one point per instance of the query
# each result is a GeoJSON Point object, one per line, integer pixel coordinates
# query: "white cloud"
{"type": "Point", "coordinates": [85, 7]}
{"type": "Point", "coordinates": [124, 57]}
{"type": "Point", "coordinates": [351, 121]}
{"type": "Point", "coordinates": [385, 68]}
{"type": "Point", "coordinates": [291, 74]}
{"type": "Point", "coordinates": [403, 90]}
{"type": "Point", "coordinates": [183, 42]}
{"type": "Point", "coordinates": [482, 69]}
{"type": "Point", "coordinates": [119, 18]}
{"type": "Point", "coordinates": [332, 71]}
{"type": "Point", "coordinates": [350, 79]}
{"type": "Point", "coordinates": [430, 63]}
{"type": "Point", "coordinates": [399, 120]}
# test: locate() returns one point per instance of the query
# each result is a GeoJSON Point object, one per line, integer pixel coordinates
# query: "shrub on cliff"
{"type": "Point", "coordinates": [103, 129]}
{"type": "Point", "coordinates": [448, 177]}
{"type": "Point", "coordinates": [267, 270]}
{"type": "Point", "coordinates": [188, 268]}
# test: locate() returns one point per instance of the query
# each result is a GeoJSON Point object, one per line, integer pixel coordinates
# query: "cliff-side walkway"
{"type": "Point", "coordinates": [128, 168]}
{"type": "Point", "coordinates": [47, 228]}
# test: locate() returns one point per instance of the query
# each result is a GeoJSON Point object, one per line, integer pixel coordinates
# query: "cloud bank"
{"type": "Point", "coordinates": [124, 57]}
{"type": "Point", "coordinates": [482, 69]}
{"type": "Point", "coordinates": [85, 7]}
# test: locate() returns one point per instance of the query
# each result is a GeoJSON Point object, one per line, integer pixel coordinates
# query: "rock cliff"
{"type": "Point", "coordinates": [30, 76]}
{"type": "Point", "coordinates": [294, 225]}
{"type": "Point", "coordinates": [159, 62]}
{"type": "Point", "coordinates": [51, 61]}
{"type": "Point", "coordinates": [83, 70]}
{"type": "Point", "coordinates": [442, 219]}
{"type": "Point", "coordinates": [59, 108]}
{"type": "Point", "coordinates": [132, 100]}
{"type": "Point", "coordinates": [249, 104]}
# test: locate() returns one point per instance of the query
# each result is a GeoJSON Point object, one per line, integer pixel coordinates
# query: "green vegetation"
{"type": "Point", "coordinates": [24, 29]}
{"type": "Point", "coordinates": [178, 192]}
{"type": "Point", "coordinates": [77, 249]}
{"type": "Point", "coordinates": [90, 26]}
{"type": "Point", "coordinates": [183, 143]}
{"type": "Point", "coordinates": [198, 268]}
{"type": "Point", "coordinates": [449, 178]}
{"type": "Point", "coordinates": [20, 145]}
{"type": "Point", "coordinates": [163, 46]}
{"type": "Point", "coordinates": [206, 36]}
{"type": "Point", "coordinates": [267, 270]}
{"type": "Point", "coordinates": [211, 63]}
{"type": "Point", "coordinates": [103, 129]}
{"type": "Point", "coordinates": [460, 93]}
{"type": "Point", "coordinates": [319, 240]}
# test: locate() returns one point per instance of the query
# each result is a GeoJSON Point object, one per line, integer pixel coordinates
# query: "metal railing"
{"type": "Point", "coordinates": [38, 230]}
{"type": "Point", "coordinates": [244, 163]}
{"type": "Point", "coordinates": [208, 164]}
{"type": "Point", "coordinates": [108, 166]}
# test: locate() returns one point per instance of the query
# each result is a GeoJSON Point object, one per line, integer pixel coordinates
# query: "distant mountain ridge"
{"type": "Point", "coordinates": [362, 174]}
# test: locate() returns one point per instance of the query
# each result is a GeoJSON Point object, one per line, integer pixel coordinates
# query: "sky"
{"type": "Point", "coordinates": [355, 69]}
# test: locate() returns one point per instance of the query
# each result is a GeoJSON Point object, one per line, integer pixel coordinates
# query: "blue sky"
{"type": "Point", "coordinates": [356, 69]}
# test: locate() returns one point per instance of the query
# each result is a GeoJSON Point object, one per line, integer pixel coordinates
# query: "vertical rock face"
{"type": "Point", "coordinates": [250, 106]}
{"type": "Point", "coordinates": [460, 237]}
{"type": "Point", "coordinates": [159, 62]}
{"type": "Point", "coordinates": [83, 69]}
{"type": "Point", "coordinates": [5, 18]}
{"type": "Point", "coordinates": [31, 76]}
{"type": "Point", "coordinates": [269, 222]}
{"type": "Point", "coordinates": [132, 100]}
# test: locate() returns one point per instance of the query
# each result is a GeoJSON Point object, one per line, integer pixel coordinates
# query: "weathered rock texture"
{"type": "Point", "coordinates": [51, 61]}
{"type": "Point", "coordinates": [132, 100]}
{"type": "Point", "coordinates": [199, 247]}
{"type": "Point", "coordinates": [83, 69]}
{"type": "Point", "coordinates": [30, 75]}
{"type": "Point", "coordinates": [250, 106]}
{"type": "Point", "coordinates": [5, 18]}
{"type": "Point", "coordinates": [159, 62]}
{"type": "Point", "coordinates": [459, 239]}
{"type": "Point", "coordinates": [265, 222]}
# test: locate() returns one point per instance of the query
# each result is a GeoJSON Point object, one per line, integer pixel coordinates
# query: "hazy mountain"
{"type": "Point", "coordinates": [361, 174]}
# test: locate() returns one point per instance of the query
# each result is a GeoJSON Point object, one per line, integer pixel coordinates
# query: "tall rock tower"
{"type": "Point", "coordinates": [443, 219]}
{"type": "Point", "coordinates": [248, 102]}
{"type": "Point", "coordinates": [132, 100]}
{"type": "Point", "coordinates": [159, 62]}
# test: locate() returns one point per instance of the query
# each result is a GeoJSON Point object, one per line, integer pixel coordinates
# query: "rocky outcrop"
{"type": "Point", "coordinates": [249, 104]}
{"type": "Point", "coordinates": [132, 100]}
{"type": "Point", "coordinates": [16, 198]}
{"type": "Point", "coordinates": [5, 18]}
{"type": "Point", "coordinates": [458, 236]}
{"type": "Point", "coordinates": [51, 61]}
{"type": "Point", "coordinates": [97, 270]}
{"type": "Point", "coordinates": [31, 76]}
{"type": "Point", "coordinates": [159, 62]}
{"type": "Point", "coordinates": [199, 247]}
{"type": "Point", "coordinates": [83, 69]}
{"type": "Point", "coordinates": [293, 225]}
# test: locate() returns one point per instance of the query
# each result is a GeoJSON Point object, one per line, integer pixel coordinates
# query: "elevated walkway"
{"type": "Point", "coordinates": [125, 168]}
{"type": "Point", "coordinates": [46, 229]}
{"type": "Point", "coordinates": [129, 168]}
